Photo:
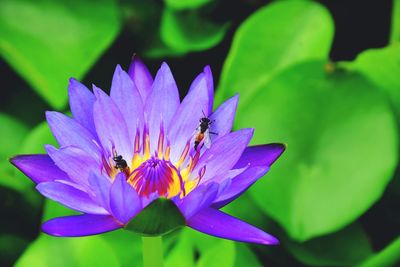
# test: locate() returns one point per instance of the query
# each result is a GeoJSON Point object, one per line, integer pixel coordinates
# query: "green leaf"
{"type": "Point", "coordinates": [389, 256]}
{"type": "Point", "coordinates": [12, 132]}
{"type": "Point", "coordinates": [382, 66]}
{"type": "Point", "coordinates": [245, 257]}
{"type": "Point", "coordinates": [11, 247]}
{"type": "Point", "coordinates": [50, 251]}
{"type": "Point", "coordinates": [342, 147]}
{"type": "Point", "coordinates": [186, 4]}
{"type": "Point", "coordinates": [47, 42]}
{"type": "Point", "coordinates": [158, 218]}
{"type": "Point", "coordinates": [276, 36]}
{"type": "Point", "coordinates": [188, 31]}
{"type": "Point", "coordinates": [220, 254]}
{"type": "Point", "coordinates": [347, 247]}
{"type": "Point", "coordinates": [395, 26]}
{"type": "Point", "coordinates": [36, 139]}
{"type": "Point", "coordinates": [11, 135]}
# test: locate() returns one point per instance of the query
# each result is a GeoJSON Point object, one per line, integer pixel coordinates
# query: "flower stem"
{"type": "Point", "coordinates": [152, 251]}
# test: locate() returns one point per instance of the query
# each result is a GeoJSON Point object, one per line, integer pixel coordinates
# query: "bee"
{"type": "Point", "coordinates": [203, 132]}
{"type": "Point", "coordinates": [120, 163]}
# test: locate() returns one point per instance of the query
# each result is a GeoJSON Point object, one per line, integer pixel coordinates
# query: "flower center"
{"type": "Point", "coordinates": [156, 175]}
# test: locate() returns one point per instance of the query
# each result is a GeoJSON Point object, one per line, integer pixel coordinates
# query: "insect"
{"type": "Point", "coordinates": [203, 132]}
{"type": "Point", "coordinates": [120, 163]}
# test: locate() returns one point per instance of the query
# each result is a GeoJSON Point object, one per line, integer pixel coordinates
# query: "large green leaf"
{"type": "Point", "coordinates": [274, 37]}
{"type": "Point", "coordinates": [80, 252]}
{"type": "Point", "coordinates": [382, 66]}
{"type": "Point", "coordinates": [36, 139]}
{"type": "Point", "coordinates": [347, 247]}
{"type": "Point", "coordinates": [47, 42]}
{"type": "Point", "coordinates": [342, 147]}
{"type": "Point", "coordinates": [188, 31]}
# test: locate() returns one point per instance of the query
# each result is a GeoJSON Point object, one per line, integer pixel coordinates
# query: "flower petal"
{"type": "Point", "coordinates": [124, 201]}
{"type": "Point", "coordinates": [126, 96]}
{"type": "Point", "coordinates": [261, 155]}
{"type": "Point", "coordinates": [161, 104]}
{"type": "Point", "coordinates": [70, 133]}
{"type": "Point", "coordinates": [70, 197]}
{"type": "Point", "coordinates": [198, 199]}
{"type": "Point", "coordinates": [141, 77]}
{"type": "Point", "coordinates": [81, 101]}
{"type": "Point", "coordinates": [187, 117]}
{"type": "Point", "coordinates": [111, 127]}
{"type": "Point", "coordinates": [222, 119]}
{"type": "Point", "coordinates": [80, 225]}
{"type": "Point", "coordinates": [39, 168]}
{"type": "Point", "coordinates": [224, 153]}
{"type": "Point", "coordinates": [100, 186]}
{"type": "Point", "coordinates": [74, 161]}
{"type": "Point", "coordinates": [210, 87]}
{"type": "Point", "coordinates": [239, 184]}
{"type": "Point", "coordinates": [216, 223]}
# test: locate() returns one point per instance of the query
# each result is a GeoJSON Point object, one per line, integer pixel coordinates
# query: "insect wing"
{"type": "Point", "coordinates": [207, 139]}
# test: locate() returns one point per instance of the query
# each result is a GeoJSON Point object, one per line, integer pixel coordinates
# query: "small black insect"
{"type": "Point", "coordinates": [120, 163]}
{"type": "Point", "coordinates": [203, 132]}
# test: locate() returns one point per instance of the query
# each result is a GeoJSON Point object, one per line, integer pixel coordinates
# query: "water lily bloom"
{"type": "Point", "coordinates": [142, 160]}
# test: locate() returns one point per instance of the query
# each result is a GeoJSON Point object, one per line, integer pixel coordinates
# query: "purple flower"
{"type": "Point", "coordinates": [141, 147]}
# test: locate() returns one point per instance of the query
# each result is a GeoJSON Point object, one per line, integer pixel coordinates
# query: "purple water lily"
{"type": "Point", "coordinates": [121, 152]}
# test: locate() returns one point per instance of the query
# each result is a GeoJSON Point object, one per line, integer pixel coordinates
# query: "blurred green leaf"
{"type": "Point", "coordinates": [81, 252]}
{"type": "Point", "coordinates": [342, 147]}
{"type": "Point", "coordinates": [395, 26]}
{"type": "Point", "coordinates": [272, 38]}
{"type": "Point", "coordinates": [11, 247]}
{"type": "Point", "coordinates": [36, 139]}
{"type": "Point", "coordinates": [188, 31]}
{"type": "Point", "coordinates": [47, 42]}
{"type": "Point", "coordinates": [12, 132]}
{"type": "Point", "coordinates": [348, 247]}
{"type": "Point", "coordinates": [245, 257]}
{"type": "Point", "coordinates": [382, 66]}
{"type": "Point", "coordinates": [127, 246]}
{"type": "Point", "coordinates": [185, 4]}
{"type": "Point", "coordinates": [389, 256]}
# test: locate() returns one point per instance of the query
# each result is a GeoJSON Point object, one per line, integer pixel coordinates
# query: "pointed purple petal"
{"type": "Point", "coordinates": [199, 198]}
{"type": "Point", "coordinates": [100, 186]}
{"type": "Point", "coordinates": [187, 117]}
{"type": "Point", "coordinates": [261, 155]}
{"type": "Point", "coordinates": [126, 96]}
{"type": "Point", "coordinates": [210, 87]}
{"type": "Point", "coordinates": [216, 223]}
{"type": "Point", "coordinates": [111, 127]}
{"type": "Point", "coordinates": [240, 184]}
{"type": "Point", "coordinates": [74, 161]}
{"type": "Point", "coordinates": [80, 225]}
{"type": "Point", "coordinates": [224, 153]}
{"type": "Point", "coordinates": [223, 118]}
{"type": "Point", "coordinates": [141, 77]}
{"type": "Point", "coordinates": [124, 201]}
{"type": "Point", "coordinates": [161, 104]}
{"type": "Point", "coordinates": [70, 197]}
{"type": "Point", "coordinates": [70, 133]}
{"type": "Point", "coordinates": [39, 167]}
{"type": "Point", "coordinates": [81, 101]}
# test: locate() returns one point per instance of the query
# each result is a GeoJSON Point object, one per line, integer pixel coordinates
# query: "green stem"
{"type": "Point", "coordinates": [152, 251]}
